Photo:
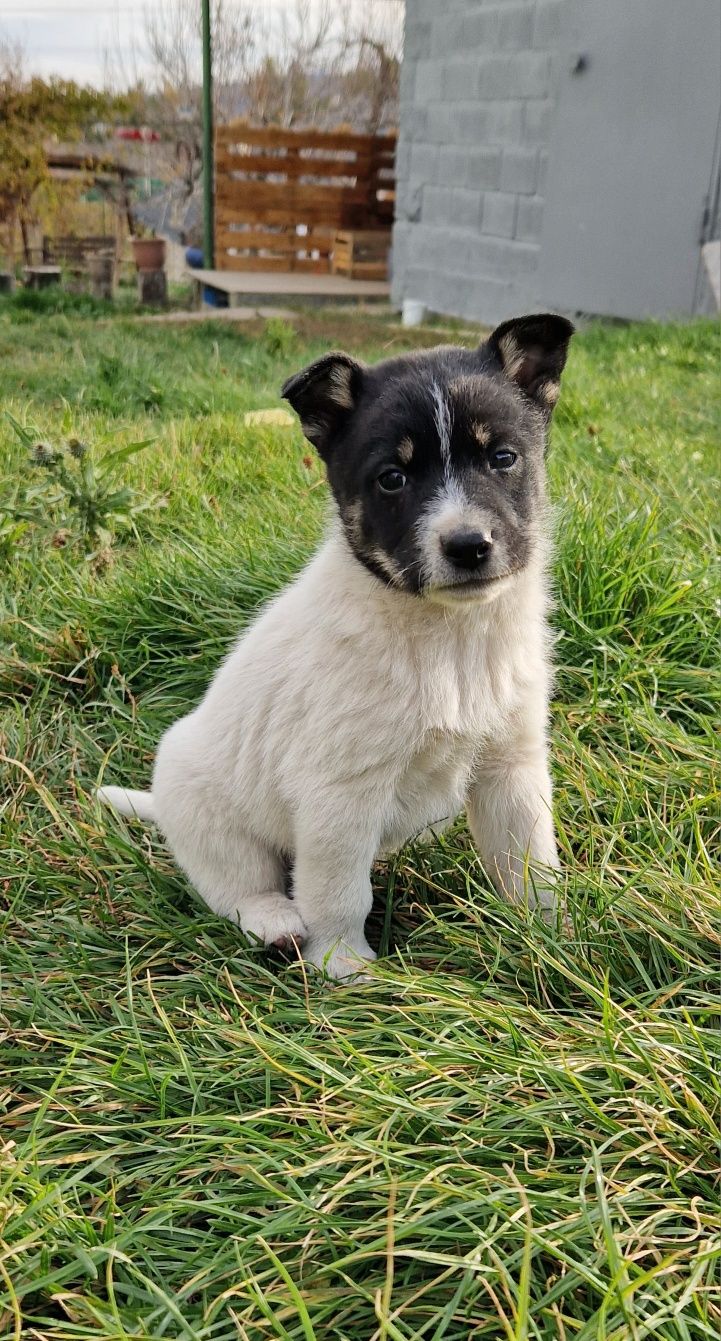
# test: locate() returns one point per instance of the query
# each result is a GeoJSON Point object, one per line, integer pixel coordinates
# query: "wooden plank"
{"type": "Point", "coordinates": [239, 132]}
{"type": "Point", "coordinates": [290, 285]}
{"type": "Point", "coordinates": [347, 216]}
{"type": "Point", "coordinates": [291, 196]}
{"type": "Point", "coordinates": [257, 235]}
{"type": "Point", "coordinates": [283, 243]}
{"type": "Point", "coordinates": [274, 264]}
{"type": "Point", "coordinates": [289, 165]}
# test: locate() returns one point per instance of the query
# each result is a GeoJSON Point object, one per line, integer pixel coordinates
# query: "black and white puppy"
{"type": "Point", "coordinates": [404, 675]}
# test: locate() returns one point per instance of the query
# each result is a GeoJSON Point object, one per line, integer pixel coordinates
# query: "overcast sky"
{"type": "Point", "coordinates": [71, 37]}
{"type": "Point", "coordinates": [75, 38]}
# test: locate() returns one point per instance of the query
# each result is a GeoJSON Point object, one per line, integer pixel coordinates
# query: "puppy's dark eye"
{"type": "Point", "coordinates": [501, 459]}
{"type": "Point", "coordinates": [391, 481]}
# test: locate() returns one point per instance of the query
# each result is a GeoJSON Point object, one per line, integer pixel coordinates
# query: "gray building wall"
{"type": "Point", "coordinates": [478, 90]}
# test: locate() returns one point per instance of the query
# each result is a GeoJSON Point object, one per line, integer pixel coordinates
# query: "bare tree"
{"type": "Point", "coordinates": [373, 48]}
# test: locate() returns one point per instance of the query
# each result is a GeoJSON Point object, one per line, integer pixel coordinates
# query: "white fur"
{"type": "Point", "coordinates": [444, 425]}
{"type": "Point", "coordinates": [450, 510]}
{"type": "Point", "coordinates": [347, 719]}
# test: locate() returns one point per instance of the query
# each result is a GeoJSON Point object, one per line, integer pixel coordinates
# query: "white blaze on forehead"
{"type": "Point", "coordinates": [444, 425]}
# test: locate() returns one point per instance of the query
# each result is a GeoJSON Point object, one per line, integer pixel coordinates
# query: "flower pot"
{"type": "Point", "coordinates": [149, 252]}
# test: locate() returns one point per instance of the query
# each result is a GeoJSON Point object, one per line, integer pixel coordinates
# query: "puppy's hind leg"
{"type": "Point", "coordinates": [246, 883]}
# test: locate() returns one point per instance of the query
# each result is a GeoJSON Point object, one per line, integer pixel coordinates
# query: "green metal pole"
{"type": "Point", "coordinates": [208, 239]}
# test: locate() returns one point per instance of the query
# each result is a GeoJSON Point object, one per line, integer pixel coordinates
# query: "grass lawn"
{"type": "Point", "coordinates": [507, 1134]}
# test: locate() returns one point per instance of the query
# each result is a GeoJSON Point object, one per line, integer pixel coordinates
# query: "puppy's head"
{"type": "Point", "coordinates": [436, 459]}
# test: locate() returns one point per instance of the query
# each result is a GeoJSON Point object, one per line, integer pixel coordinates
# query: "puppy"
{"type": "Point", "coordinates": [404, 675]}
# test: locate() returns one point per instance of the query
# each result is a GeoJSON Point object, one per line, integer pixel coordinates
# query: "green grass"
{"type": "Point", "coordinates": [507, 1134]}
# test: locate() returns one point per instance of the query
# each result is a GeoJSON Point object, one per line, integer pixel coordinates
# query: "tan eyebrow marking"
{"type": "Point", "coordinates": [405, 451]}
{"type": "Point", "coordinates": [481, 433]}
{"type": "Point", "coordinates": [549, 391]}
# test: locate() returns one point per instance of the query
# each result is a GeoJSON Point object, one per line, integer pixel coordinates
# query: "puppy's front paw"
{"type": "Point", "coordinates": [275, 921]}
{"type": "Point", "coordinates": [339, 960]}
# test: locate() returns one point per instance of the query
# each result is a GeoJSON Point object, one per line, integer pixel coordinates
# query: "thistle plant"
{"type": "Point", "coordinates": [83, 493]}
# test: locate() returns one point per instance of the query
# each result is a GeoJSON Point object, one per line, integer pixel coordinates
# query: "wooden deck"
{"type": "Point", "coordinates": [244, 288]}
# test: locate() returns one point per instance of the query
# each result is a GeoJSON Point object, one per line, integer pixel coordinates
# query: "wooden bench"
{"type": "Point", "coordinates": [41, 276]}
{"type": "Point", "coordinates": [361, 253]}
{"type": "Point", "coordinates": [74, 251]}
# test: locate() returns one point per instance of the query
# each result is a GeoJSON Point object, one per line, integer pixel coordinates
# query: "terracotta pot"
{"type": "Point", "coordinates": [149, 252]}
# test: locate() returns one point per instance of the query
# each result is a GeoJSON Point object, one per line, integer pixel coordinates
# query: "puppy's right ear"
{"type": "Point", "coordinates": [324, 396]}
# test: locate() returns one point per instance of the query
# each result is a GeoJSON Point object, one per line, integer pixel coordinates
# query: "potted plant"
{"type": "Point", "coordinates": [148, 252]}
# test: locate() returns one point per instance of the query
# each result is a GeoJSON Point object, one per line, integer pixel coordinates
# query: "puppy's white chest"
{"type": "Point", "coordinates": [432, 788]}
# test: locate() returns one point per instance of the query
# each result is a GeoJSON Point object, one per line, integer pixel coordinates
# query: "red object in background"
{"type": "Point", "coordinates": [143, 133]}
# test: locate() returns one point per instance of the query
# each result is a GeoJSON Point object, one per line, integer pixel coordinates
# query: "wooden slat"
{"type": "Point", "coordinates": [240, 132]}
{"type": "Point", "coordinates": [292, 196]}
{"type": "Point", "coordinates": [347, 216]}
{"type": "Point", "coordinates": [288, 243]}
{"type": "Point", "coordinates": [280, 264]}
{"type": "Point", "coordinates": [290, 166]}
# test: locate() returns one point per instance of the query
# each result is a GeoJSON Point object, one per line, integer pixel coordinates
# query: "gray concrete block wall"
{"type": "Point", "coordinates": [478, 91]}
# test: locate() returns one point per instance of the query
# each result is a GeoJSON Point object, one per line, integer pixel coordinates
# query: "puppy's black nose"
{"type": "Point", "coordinates": [467, 549]}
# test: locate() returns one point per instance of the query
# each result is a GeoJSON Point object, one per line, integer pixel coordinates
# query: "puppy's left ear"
{"type": "Point", "coordinates": [324, 395]}
{"type": "Point", "coordinates": [532, 352]}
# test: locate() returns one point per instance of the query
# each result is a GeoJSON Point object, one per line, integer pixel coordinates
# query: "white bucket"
{"type": "Point", "coordinates": [413, 312]}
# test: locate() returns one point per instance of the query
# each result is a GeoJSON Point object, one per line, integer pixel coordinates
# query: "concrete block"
{"type": "Point", "coordinates": [515, 30]}
{"type": "Point", "coordinates": [153, 288]}
{"type": "Point", "coordinates": [472, 123]}
{"type": "Point", "coordinates": [424, 164]}
{"type": "Point", "coordinates": [499, 213]}
{"type": "Point", "coordinates": [442, 123]}
{"type": "Point", "coordinates": [407, 81]}
{"type": "Point", "coordinates": [518, 74]}
{"type": "Point", "coordinates": [436, 205]}
{"type": "Point", "coordinates": [410, 201]}
{"type": "Point", "coordinates": [519, 170]}
{"type": "Point", "coordinates": [483, 168]}
{"type": "Point", "coordinates": [542, 170]}
{"type": "Point", "coordinates": [487, 300]}
{"type": "Point", "coordinates": [529, 218]}
{"type": "Point", "coordinates": [417, 37]}
{"type": "Point", "coordinates": [429, 248]}
{"type": "Point", "coordinates": [480, 30]}
{"type": "Point", "coordinates": [403, 158]}
{"type": "Point", "coordinates": [552, 19]}
{"type": "Point", "coordinates": [428, 81]}
{"type": "Point", "coordinates": [400, 249]}
{"type": "Point", "coordinates": [492, 122]}
{"type": "Point", "coordinates": [537, 116]}
{"type": "Point", "coordinates": [491, 256]}
{"type": "Point", "coordinates": [465, 207]}
{"type": "Point", "coordinates": [447, 35]}
{"type": "Point", "coordinates": [417, 121]}
{"type": "Point", "coordinates": [453, 166]}
{"type": "Point", "coordinates": [505, 121]}
{"type": "Point", "coordinates": [461, 79]}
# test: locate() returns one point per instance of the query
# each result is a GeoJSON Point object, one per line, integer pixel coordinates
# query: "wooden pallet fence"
{"type": "Point", "coordinates": [281, 195]}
